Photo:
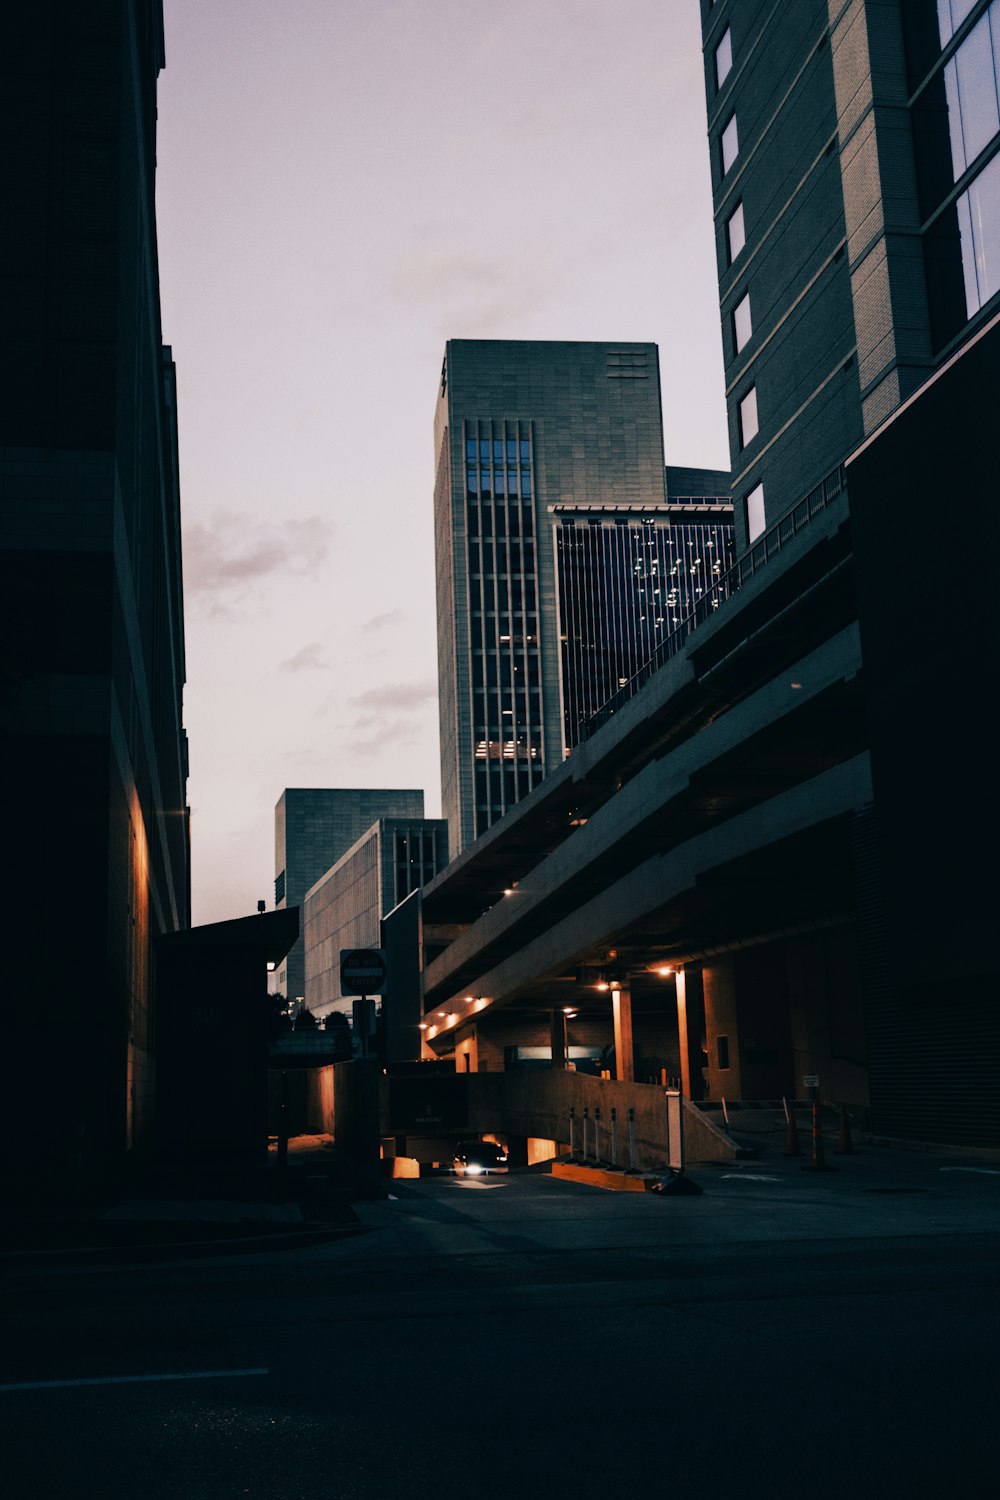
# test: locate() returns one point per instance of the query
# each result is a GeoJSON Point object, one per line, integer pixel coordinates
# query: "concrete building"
{"type": "Point", "coordinates": [313, 827]}
{"type": "Point", "coordinates": [345, 907]}
{"type": "Point", "coordinates": [857, 203]}
{"type": "Point", "coordinates": [521, 427]}
{"type": "Point", "coordinates": [96, 823]}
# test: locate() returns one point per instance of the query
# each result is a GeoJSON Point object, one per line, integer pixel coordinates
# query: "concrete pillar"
{"type": "Point", "coordinates": [558, 1032]}
{"type": "Point", "coordinates": [621, 1006]}
{"type": "Point", "coordinates": [690, 1029]}
{"type": "Point", "coordinates": [722, 1032]}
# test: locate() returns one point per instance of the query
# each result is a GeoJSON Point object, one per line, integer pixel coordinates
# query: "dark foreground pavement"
{"type": "Point", "coordinates": [785, 1334]}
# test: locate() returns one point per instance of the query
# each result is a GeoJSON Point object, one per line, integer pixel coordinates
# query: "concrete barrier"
{"type": "Point", "coordinates": [532, 1104]}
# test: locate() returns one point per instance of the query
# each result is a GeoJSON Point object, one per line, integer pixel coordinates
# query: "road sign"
{"type": "Point", "coordinates": [362, 971]}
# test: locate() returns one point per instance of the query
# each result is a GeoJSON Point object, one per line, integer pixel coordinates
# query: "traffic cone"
{"type": "Point", "coordinates": [846, 1145]}
{"type": "Point", "coordinates": [792, 1147]}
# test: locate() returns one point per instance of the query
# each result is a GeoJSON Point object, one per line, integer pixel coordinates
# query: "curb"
{"type": "Point", "coordinates": [82, 1257]}
{"type": "Point", "coordinates": [611, 1178]}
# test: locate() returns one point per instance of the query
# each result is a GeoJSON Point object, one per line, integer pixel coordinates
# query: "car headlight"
{"type": "Point", "coordinates": [474, 1168]}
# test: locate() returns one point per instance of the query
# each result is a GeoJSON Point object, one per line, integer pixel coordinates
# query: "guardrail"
{"type": "Point", "coordinates": [767, 545]}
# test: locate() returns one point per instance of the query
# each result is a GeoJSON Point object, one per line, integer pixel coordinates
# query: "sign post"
{"type": "Point", "coordinates": [363, 972]}
{"type": "Point", "coordinates": [677, 1184]}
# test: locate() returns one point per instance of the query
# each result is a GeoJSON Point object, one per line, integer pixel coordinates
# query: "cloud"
{"type": "Point", "coordinates": [308, 659]}
{"type": "Point", "coordinates": [474, 294]}
{"type": "Point", "coordinates": [387, 717]}
{"type": "Point", "coordinates": [225, 557]}
{"type": "Point", "coordinates": [395, 697]}
{"type": "Point", "coordinates": [379, 622]}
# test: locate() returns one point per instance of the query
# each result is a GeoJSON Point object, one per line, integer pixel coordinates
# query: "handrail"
{"type": "Point", "coordinates": [749, 562]}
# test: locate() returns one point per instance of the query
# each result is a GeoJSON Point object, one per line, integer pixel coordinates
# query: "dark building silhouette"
{"type": "Point", "coordinates": [96, 828]}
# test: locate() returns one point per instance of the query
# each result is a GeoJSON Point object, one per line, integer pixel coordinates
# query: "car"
{"type": "Point", "coordinates": [478, 1158]}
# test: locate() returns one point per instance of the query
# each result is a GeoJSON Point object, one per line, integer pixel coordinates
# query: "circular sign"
{"type": "Point", "coordinates": [362, 971]}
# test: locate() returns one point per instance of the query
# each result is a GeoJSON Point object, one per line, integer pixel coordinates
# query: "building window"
{"type": "Point", "coordinates": [723, 58]}
{"type": "Point", "coordinates": [742, 324]}
{"type": "Point", "coordinates": [979, 225]}
{"type": "Point", "coordinates": [754, 504]}
{"type": "Point", "coordinates": [970, 80]}
{"type": "Point", "coordinates": [736, 236]}
{"type": "Point", "coordinates": [730, 145]}
{"type": "Point", "coordinates": [749, 426]}
{"type": "Point", "coordinates": [951, 14]}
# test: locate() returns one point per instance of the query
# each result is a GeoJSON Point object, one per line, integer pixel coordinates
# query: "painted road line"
{"type": "Point", "coordinates": [980, 1171]}
{"type": "Point", "coordinates": [55, 1385]}
{"type": "Point", "coordinates": [747, 1177]}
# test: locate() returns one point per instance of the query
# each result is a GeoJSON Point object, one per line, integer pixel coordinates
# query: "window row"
{"type": "Point", "coordinates": [506, 521]}
{"type": "Point", "coordinates": [522, 594]}
{"type": "Point", "coordinates": [501, 449]}
{"type": "Point", "coordinates": [479, 482]}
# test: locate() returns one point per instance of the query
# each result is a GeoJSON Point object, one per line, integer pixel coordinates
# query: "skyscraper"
{"type": "Point", "coordinates": [96, 825]}
{"type": "Point", "coordinates": [519, 428]}
{"type": "Point", "coordinates": [854, 148]}
{"type": "Point", "coordinates": [313, 827]}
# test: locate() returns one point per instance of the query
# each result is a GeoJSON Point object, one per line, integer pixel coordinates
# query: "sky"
{"type": "Point", "coordinates": [342, 185]}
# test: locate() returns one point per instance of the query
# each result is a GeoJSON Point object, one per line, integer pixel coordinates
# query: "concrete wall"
{"type": "Point", "coordinates": [536, 1105]}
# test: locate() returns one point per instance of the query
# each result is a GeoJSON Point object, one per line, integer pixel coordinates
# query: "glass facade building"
{"type": "Point", "coordinates": [628, 576]}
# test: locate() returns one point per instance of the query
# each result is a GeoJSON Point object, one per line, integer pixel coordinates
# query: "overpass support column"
{"type": "Point", "coordinates": [558, 1031]}
{"type": "Point", "coordinates": [690, 1029]}
{"type": "Point", "coordinates": [621, 1006]}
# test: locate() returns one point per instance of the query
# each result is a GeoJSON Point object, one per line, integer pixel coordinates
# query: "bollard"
{"type": "Point", "coordinates": [572, 1130]}
{"type": "Point", "coordinates": [818, 1161]}
{"type": "Point", "coordinates": [597, 1134]}
{"type": "Point", "coordinates": [631, 1140]}
{"type": "Point", "coordinates": [845, 1146]}
{"type": "Point", "coordinates": [585, 1122]}
{"type": "Point", "coordinates": [614, 1136]}
{"type": "Point", "coordinates": [792, 1147]}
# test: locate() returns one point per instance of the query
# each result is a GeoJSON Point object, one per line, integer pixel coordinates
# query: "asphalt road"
{"type": "Point", "coordinates": [521, 1337]}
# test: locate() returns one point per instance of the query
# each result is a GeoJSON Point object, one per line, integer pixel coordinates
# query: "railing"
{"type": "Point", "coordinates": [745, 566]}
